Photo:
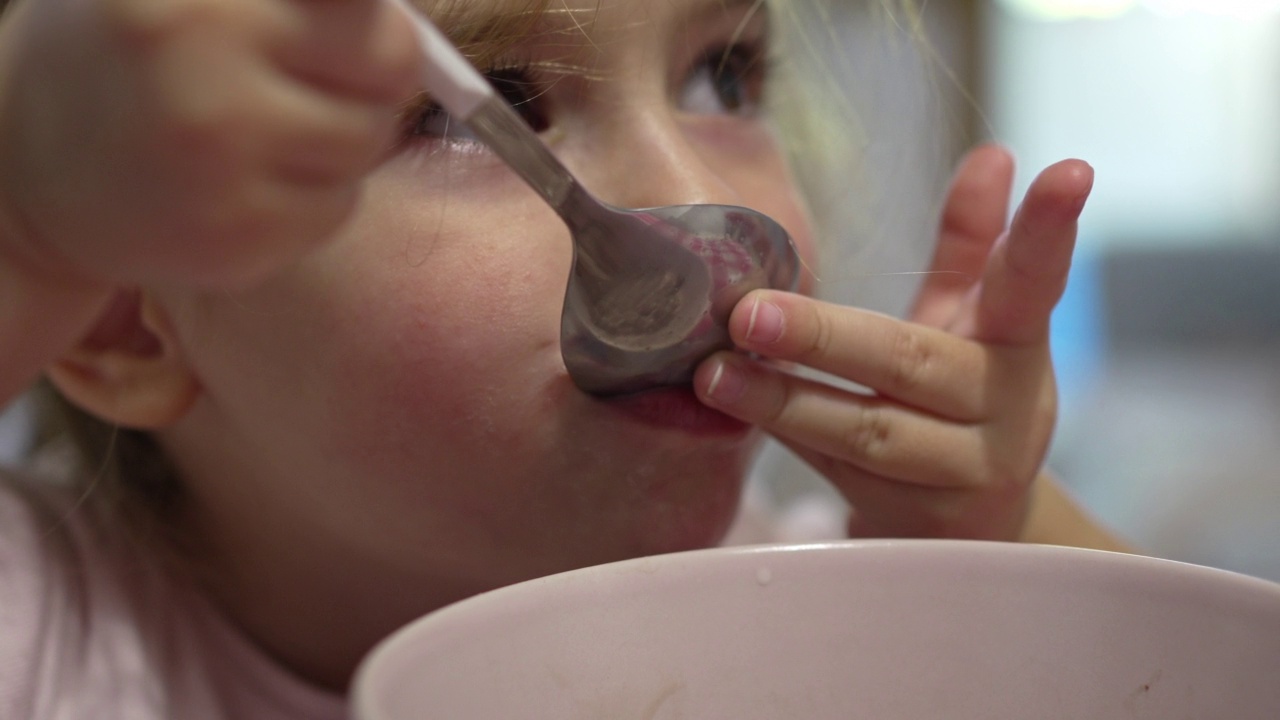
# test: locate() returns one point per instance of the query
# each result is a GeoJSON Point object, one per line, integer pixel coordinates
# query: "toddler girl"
{"type": "Point", "coordinates": [309, 334]}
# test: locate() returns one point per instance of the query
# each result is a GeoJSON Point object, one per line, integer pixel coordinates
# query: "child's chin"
{"type": "Point", "coordinates": [700, 523]}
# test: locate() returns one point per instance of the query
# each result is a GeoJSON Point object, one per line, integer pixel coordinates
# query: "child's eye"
{"type": "Point", "coordinates": [425, 119]}
{"type": "Point", "coordinates": [728, 81]}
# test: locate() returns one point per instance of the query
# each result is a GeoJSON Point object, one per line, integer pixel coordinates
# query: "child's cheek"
{"type": "Point", "coordinates": [801, 229]}
{"type": "Point", "coordinates": [443, 349]}
{"type": "Point", "coordinates": [750, 163]}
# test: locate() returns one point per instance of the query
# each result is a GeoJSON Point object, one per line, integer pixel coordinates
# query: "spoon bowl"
{"type": "Point", "coordinates": [651, 290]}
{"type": "Point", "coordinates": [659, 300]}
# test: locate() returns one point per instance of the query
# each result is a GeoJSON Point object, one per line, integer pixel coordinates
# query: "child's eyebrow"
{"type": "Point", "coordinates": [486, 31]}
{"type": "Point", "coordinates": [707, 7]}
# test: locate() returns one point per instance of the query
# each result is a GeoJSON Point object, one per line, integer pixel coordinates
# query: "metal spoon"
{"type": "Point", "coordinates": [651, 290]}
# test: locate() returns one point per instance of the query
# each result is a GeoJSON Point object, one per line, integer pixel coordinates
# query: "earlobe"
{"type": "Point", "coordinates": [129, 369]}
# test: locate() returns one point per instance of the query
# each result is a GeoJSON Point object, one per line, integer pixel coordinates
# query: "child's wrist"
{"type": "Point", "coordinates": [1055, 518]}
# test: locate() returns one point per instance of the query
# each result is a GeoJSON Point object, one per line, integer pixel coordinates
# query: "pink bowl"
{"type": "Point", "coordinates": [883, 630]}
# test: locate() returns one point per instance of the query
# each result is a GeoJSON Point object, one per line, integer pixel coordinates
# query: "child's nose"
{"type": "Point", "coordinates": [648, 161]}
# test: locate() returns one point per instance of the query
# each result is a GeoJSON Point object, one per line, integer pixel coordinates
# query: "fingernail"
{"type": "Point", "coordinates": [1077, 205]}
{"type": "Point", "coordinates": [727, 383]}
{"type": "Point", "coordinates": [765, 324]}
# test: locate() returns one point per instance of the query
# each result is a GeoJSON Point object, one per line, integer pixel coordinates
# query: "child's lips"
{"type": "Point", "coordinates": [677, 408]}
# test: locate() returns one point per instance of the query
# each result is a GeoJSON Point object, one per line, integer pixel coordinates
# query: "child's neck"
{"type": "Point", "coordinates": [316, 621]}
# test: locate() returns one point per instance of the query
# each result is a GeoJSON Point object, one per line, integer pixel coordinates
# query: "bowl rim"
{"type": "Point", "coordinates": [389, 650]}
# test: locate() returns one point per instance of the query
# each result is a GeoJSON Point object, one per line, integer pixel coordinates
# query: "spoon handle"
{"type": "Point", "coordinates": [467, 95]}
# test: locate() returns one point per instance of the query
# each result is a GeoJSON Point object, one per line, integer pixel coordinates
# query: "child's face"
{"type": "Point", "coordinates": [401, 395]}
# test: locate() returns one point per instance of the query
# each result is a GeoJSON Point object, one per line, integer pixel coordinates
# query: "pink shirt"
{"type": "Point", "coordinates": [90, 627]}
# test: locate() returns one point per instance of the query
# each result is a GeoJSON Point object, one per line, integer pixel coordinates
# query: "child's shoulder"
{"type": "Point", "coordinates": [92, 625]}
{"type": "Point", "coordinates": [37, 528]}
{"type": "Point", "coordinates": [76, 643]}
{"type": "Point", "coordinates": [40, 591]}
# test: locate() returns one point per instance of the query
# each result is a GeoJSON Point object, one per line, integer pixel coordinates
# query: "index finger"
{"type": "Point", "coordinates": [913, 364]}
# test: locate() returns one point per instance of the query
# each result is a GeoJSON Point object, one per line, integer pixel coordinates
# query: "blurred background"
{"type": "Point", "coordinates": [1168, 342]}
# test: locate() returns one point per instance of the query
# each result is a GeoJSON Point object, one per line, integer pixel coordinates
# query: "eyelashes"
{"type": "Point", "coordinates": [725, 80]}
{"type": "Point", "coordinates": [424, 119]}
{"type": "Point", "coordinates": [729, 80]}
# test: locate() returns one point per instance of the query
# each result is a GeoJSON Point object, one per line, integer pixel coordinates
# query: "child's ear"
{"type": "Point", "coordinates": [128, 369]}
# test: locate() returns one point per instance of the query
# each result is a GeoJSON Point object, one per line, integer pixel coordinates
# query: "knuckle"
{"type": "Point", "coordinates": [868, 436]}
{"type": "Point", "coordinates": [238, 223]}
{"type": "Point", "coordinates": [818, 341]}
{"type": "Point", "coordinates": [341, 153]}
{"type": "Point", "coordinates": [205, 119]}
{"type": "Point", "coordinates": [1027, 443]}
{"type": "Point", "coordinates": [206, 140]}
{"type": "Point", "coordinates": [365, 136]}
{"type": "Point", "coordinates": [910, 363]}
{"type": "Point", "coordinates": [399, 59]}
{"type": "Point", "coordinates": [776, 409]}
{"type": "Point", "coordinates": [1044, 414]}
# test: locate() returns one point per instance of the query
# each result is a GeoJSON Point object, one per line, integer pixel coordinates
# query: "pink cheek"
{"type": "Point", "coordinates": [439, 363]}
{"type": "Point", "coordinates": [800, 228]}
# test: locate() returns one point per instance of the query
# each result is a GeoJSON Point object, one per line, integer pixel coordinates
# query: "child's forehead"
{"type": "Point", "coordinates": [577, 31]}
{"type": "Point", "coordinates": [494, 20]}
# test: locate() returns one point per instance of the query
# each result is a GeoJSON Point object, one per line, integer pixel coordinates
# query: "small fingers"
{"type": "Point", "coordinates": [220, 112]}
{"type": "Point", "coordinates": [886, 507]}
{"type": "Point", "coordinates": [261, 169]}
{"type": "Point", "coordinates": [973, 217]}
{"type": "Point", "coordinates": [1028, 269]}
{"type": "Point", "coordinates": [323, 139]}
{"type": "Point", "coordinates": [248, 231]}
{"type": "Point", "coordinates": [913, 364]}
{"type": "Point", "coordinates": [248, 119]}
{"type": "Point", "coordinates": [362, 49]}
{"type": "Point", "coordinates": [865, 432]}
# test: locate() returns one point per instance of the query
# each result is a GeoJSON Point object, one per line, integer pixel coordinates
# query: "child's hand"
{"type": "Point", "coordinates": [190, 141]}
{"type": "Point", "coordinates": [955, 431]}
